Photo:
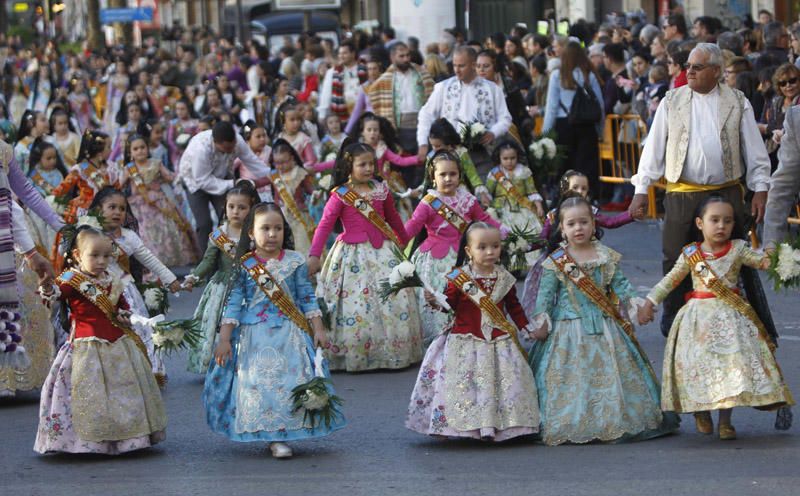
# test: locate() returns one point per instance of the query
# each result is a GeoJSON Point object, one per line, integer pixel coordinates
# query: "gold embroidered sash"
{"type": "Point", "coordinates": [100, 299]}
{"type": "Point", "coordinates": [141, 186]}
{"type": "Point", "coordinates": [472, 290]}
{"type": "Point", "coordinates": [223, 242]}
{"type": "Point", "coordinates": [93, 176]}
{"type": "Point", "coordinates": [364, 207]}
{"type": "Point", "coordinates": [513, 192]}
{"type": "Point", "coordinates": [38, 180]}
{"type": "Point", "coordinates": [445, 212]}
{"type": "Point", "coordinates": [272, 289]}
{"type": "Point", "coordinates": [288, 201]}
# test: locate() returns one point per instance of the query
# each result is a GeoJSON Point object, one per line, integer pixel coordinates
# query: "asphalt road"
{"type": "Point", "coordinates": [376, 455]}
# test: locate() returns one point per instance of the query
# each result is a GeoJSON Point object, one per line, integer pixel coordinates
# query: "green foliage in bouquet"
{"type": "Point", "coordinates": [516, 245]}
{"type": "Point", "coordinates": [318, 404]}
{"type": "Point", "coordinates": [176, 335]}
{"type": "Point", "coordinates": [784, 265]}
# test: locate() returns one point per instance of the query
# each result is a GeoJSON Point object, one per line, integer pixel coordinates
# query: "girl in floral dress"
{"type": "Point", "coordinates": [33, 125]}
{"type": "Point", "coordinates": [64, 137]}
{"type": "Point", "coordinates": [266, 341]}
{"type": "Point", "coordinates": [132, 123]}
{"type": "Point", "coordinates": [162, 226]}
{"type": "Point", "coordinates": [290, 120]}
{"type": "Point", "coordinates": [474, 381]}
{"type": "Point", "coordinates": [718, 353]}
{"type": "Point", "coordinates": [219, 263]}
{"type": "Point", "coordinates": [444, 212]}
{"type": "Point", "coordinates": [46, 174]}
{"type": "Point", "coordinates": [292, 186]}
{"type": "Point", "coordinates": [366, 333]}
{"type": "Point", "coordinates": [118, 84]}
{"type": "Point", "coordinates": [594, 381]}
{"type": "Point", "coordinates": [100, 395]}
{"type": "Point", "coordinates": [80, 103]}
{"type": "Point", "coordinates": [130, 256]}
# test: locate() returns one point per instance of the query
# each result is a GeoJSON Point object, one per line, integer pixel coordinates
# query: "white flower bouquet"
{"type": "Point", "coordinates": [156, 298]}
{"type": "Point", "coordinates": [471, 133]}
{"type": "Point", "coordinates": [183, 139]}
{"type": "Point", "coordinates": [404, 275]}
{"type": "Point", "coordinates": [91, 221]}
{"type": "Point", "coordinates": [546, 156]}
{"type": "Point", "coordinates": [516, 245]}
{"type": "Point", "coordinates": [314, 398]}
{"type": "Point", "coordinates": [784, 267]}
{"type": "Point", "coordinates": [176, 335]}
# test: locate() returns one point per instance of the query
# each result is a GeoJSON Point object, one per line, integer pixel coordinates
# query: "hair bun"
{"type": "Point", "coordinates": [245, 184]}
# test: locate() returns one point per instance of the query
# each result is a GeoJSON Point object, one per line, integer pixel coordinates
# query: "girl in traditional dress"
{"type": "Point", "coordinates": [474, 381]}
{"type": "Point", "coordinates": [718, 354]}
{"type": "Point", "coordinates": [41, 88]}
{"type": "Point", "coordinates": [218, 263]}
{"type": "Point", "coordinates": [181, 129]}
{"type": "Point", "coordinates": [162, 226]}
{"type": "Point", "coordinates": [100, 395]}
{"type": "Point", "coordinates": [64, 137]}
{"type": "Point", "coordinates": [333, 139]}
{"type": "Point", "coordinates": [378, 133]}
{"type": "Point", "coordinates": [572, 183]}
{"type": "Point", "coordinates": [292, 187]}
{"type": "Point", "coordinates": [290, 121]}
{"type": "Point", "coordinates": [155, 141]}
{"type": "Point", "coordinates": [594, 381]}
{"type": "Point", "coordinates": [265, 346]}
{"type": "Point", "coordinates": [89, 176]}
{"type": "Point", "coordinates": [443, 136]}
{"type": "Point", "coordinates": [366, 333]}
{"type": "Point", "coordinates": [46, 174]}
{"type": "Point", "coordinates": [33, 125]}
{"type": "Point", "coordinates": [130, 255]}
{"type": "Point", "coordinates": [118, 84]}
{"type": "Point", "coordinates": [80, 103]}
{"type": "Point", "coordinates": [133, 113]}
{"type": "Point", "coordinates": [444, 212]}
{"type": "Point", "coordinates": [516, 202]}
{"type": "Point", "coordinates": [256, 136]}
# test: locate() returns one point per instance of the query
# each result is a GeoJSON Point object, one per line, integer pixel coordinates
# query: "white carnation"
{"type": "Point", "coordinates": [159, 339]}
{"type": "Point", "coordinates": [330, 157]}
{"type": "Point", "coordinates": [326, 182]}
{"type": "Point", "coordinates": [176, 335]}
{"type": "Point", "coordinates": [787, 266]}
{"type": "Point", "coordinates": [183, 139]}
{"type": "Point", "coordinates": [549, 147]}
{"type": "Point", "coordinates": [395, 277]}
{"type": "Point", "coordinates": [406, 269]}
{"type": "Point", "coordinates": [152, 298]}
{"type": "Point", "coordinates": [314, 401]}
{"type": "Point", "coordinates": [520, 245]}
{"type": "Point", "coordinates": [538, 150]}
{"type": "Point", "coordinates": [89, 220]}
{"type": "Point", "coordinates": [478, 129]}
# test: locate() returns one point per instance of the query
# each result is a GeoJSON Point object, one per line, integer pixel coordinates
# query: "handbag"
{"type": "Point", "coordinates": [585, 108]}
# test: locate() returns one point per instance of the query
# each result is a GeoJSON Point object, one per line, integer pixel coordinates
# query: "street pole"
{"type": "Point", "coordinates": [239, 22]}
{"type": "Point", "coordinates": [306, 21]}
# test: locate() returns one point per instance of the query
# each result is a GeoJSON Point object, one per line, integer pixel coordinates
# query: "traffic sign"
{"type": "Point", "coordinates": [107, 16]}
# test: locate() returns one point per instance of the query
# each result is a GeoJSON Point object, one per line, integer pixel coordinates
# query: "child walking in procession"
{"type": "Point", "coordinates": [47, 172]}
{"type": "Point", "coordinates": [269, 331]}
{"type": "Point", "coordinates": [516, 201]}
{"type": "Point", "coordinates": [163, 228]}
{"type": "Point", "coordinates": [594, 381]}
{"type": "Point", "coordinates": [256, 137]}
{"type": "Point", "coordinates": [718, 353]}
{"type": "Point", "coordinates": [444, 212]}
{"type": "Point", "coordinates": [66, 140]}
{"type": "Point", "coordinates": [218, 262]}
{"type": "Point", "coordinates": [474, 381]}
{"type": "Point", "coordinates": [292, 187]}
{"type": "Point", "coordinates": [290, 119]}
{"type": "Point", "coordinates": [443, 136]}
{"type": "Point", "coordinates": [100, 395]}
{"type": "Point", "coordinates": [366, 333]}
{"type": "Point", "coordinates": [131, 255]}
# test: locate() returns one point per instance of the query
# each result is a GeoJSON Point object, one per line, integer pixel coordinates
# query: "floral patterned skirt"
{"type": "Point", "coordinates": [169, 242]}
{"type": "Point", "coordinates": [468, 387]}
{"type": "Point", "coordinates": [38, 337]}
{"type": "Point", "coordinates": [249, 398]}
{"type": "Point", "coordinates": [432, 271]}
{"type": "Point", "coordinates": [596, 387]}
{"type": "Point", "coordinates": [100, 397]}
{"type": "Point", "coordinates": [208, 314]}
{"type": "Point", "coordinates": [715, 359]}
{"type": "Point", "coordinates": [365, 333]}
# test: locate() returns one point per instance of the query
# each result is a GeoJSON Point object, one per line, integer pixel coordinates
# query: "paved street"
{"type": "Point", "coordinates": [376, 455]}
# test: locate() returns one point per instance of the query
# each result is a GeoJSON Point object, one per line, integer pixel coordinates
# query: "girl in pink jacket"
{"type": "Point", "coordinates": [365, 332]}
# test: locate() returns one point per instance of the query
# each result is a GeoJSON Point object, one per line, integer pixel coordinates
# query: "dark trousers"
{"type": "Point", "coordinates": [680, 210]}
{"type": "Point", "coordinates": [407, 139]}
{"type": "Point", "coordinates": [198, 202]}
{"type": "Point", "coordinates": [582, 149]}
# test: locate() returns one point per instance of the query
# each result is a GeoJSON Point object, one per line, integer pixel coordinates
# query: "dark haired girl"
{"type": "Point", "coordinates": [32, 125]}
{"type": "Point", "coordinates": [443, 136]}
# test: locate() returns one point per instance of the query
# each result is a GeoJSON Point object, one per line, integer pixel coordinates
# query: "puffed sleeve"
{"type": "Point", "coordinates": [419, 219]}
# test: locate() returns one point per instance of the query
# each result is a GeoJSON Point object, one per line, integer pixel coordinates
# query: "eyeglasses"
{"type": "Point", "coordinates": [696, 67]}
{"type": "Point", "coordinates": [787, 82]}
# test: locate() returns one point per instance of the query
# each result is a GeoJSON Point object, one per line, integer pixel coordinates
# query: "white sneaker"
{"type": "Point", "coordinates": [280, 450]}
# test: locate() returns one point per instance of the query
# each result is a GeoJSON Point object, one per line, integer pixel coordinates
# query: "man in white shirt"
{"type": "Point", "coordinates": [465, 97]}
{"type": "Point", "coordinates": [206, 170]}
{"type": "Point", "coordinates": [703, 140]}
{"type": "Point", "coordinates": [340, 98]}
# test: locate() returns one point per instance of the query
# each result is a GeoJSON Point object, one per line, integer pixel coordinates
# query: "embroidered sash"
{"type": "Point", "coordinates": [472, 290]}
{"type": "Point", "coordinates": [445, 212]}
{"type": "Point", "coordinates": [96, 179]}
{"type": "Point", "coordinates": [272, 289]}
{"type": "Point", "coordinates": [513, 192]}
{"type": "Point", "coordinates": [288, 201]}
{"type": "Point", "coordinates": [364, 207]}
{"type": "Point", "coordinates": [100, 299]}
{"type": "Point", "coordinates": [702, 269]}
{"type": "Point", "coordinates": [223, 242]}
{"type": "Point", "coordinates": [39, 180]}
{"type": "Point", "coordinates": [141, 186]}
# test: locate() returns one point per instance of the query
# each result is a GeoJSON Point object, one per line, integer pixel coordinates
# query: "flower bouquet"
{"type": "Point", "coordinates": [546, 156]}
{"type": "Point", "coordinates": [176, 335]}
{"type": "Point", "coordinates": [314, 398]}
{"type": "Point", "coordinates": [471, 133]}
{"type": "Point", "coordinates": [183, 140]}
{"type": "Point", "coordinates": [784, 266]}
{"type": "Point", "coordinates": [156, 298]}
{"type": "Point", "coordinates": [516, 245]}
{"type": "Point", "coordinates": [404, 275]}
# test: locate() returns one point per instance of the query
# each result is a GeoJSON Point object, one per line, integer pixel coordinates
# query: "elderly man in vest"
{"type": "Point", "coordinates": [704, 141]}
{"type": "Point", "coordinates": [465, 97]}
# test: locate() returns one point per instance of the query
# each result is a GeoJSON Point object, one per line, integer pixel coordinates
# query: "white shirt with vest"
{"type": "Point", "coordinates": [703, 148]}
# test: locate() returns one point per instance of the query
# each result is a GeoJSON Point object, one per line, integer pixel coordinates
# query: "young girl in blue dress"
{"type": "Point", "coordinates": [265, 347]}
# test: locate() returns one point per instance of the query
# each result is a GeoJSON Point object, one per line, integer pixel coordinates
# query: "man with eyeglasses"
{"type": "Point", "coordinates": [675, 28]}
{"type": "Point", "coordinates": [704, 140]}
